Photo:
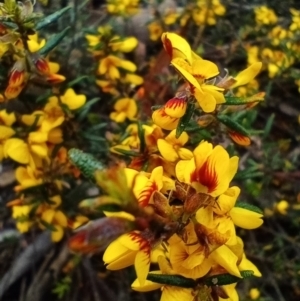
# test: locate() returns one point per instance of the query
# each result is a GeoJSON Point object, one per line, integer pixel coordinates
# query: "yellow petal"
{"type": "Point", "coordinates": [227, 259]}
{"type": "Point", "coordinates": [245, 218]}
{"type": "Point", "coordinates": [40, 149]}
{"type": "Point", "coordinates": [171, 293]}
{"type": "Point", "coordinates": [48, 215]}
{"type": "Point", "coordinates": [206, 101]}
{"type": "Point", "coordinates": [227, 200]}
{"type": "Point", "coordinates": [247, 75]}
{"type": "Point", "coordinates": [147, 286]}
{"type": "Point", "coordinates": [126, 45]}
{"type": "Point", "coordinates": [17, 150]}
{"type": "Point", "coordinates": [246, 264]}
{"type": "Point", "coordinates": [37, 137]}
{"type": "Point", "coordinates": [204, 69]}
{"type": "Point", "coordinates": [73, 100]}
{"type": "Point", "coordinates": [58, 234]}
{"type": "Point", "coordinates": [142, 265]}
{"type": "Point", "coordinates": [60, 218]}
{"type": "Point", "coordinates": [6, 132]}
{"type": "Point", "coordinates": [185, 74]}
{"type": "Point", "coordinates": [167, 150]}
{"type": "Point", "coordinates": [176, 46]}
{"type": "Point", "coordinates": [176, 107]}
{"type": "Point", "coordinates": [185, 154]}
{"type": "Point", "coordinates": [163, 120]}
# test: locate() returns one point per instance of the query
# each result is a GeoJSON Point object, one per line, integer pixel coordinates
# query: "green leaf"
{"type": "Point", "coordinates": [127, 152]}
{"type": "Point", "coordinates": [51, 18]}
{"type": "Point", "coordinates": [86, 108]}
{"type": "Point", "coordinates": [174, 280]}
{"type": "Point", "coordinates": [225, 279]}
{"type": "Point", "coordinates": [268, 126]}
{"type": "Point", "coordinates": [184, 121]}
{"type": "Point", "coordinates": [86, 163]}
{"type": "Point", "coordinates": [77, 80]}
{"type": "Point", "coordinates": [53, 42]}
{"type": "Point", "coordinates": [248, 207]}
{"type": "Point", "coordinates": [232, 124]}
{"type": "Point", "coordinates": [233, 100]}
{"type": "Point", "coordinates": [141, 135]}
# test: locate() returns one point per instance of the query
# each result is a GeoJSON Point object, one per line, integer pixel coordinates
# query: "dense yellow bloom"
{"type": "Point", "coordinates": [206, 12]}
{"type": "Point", "coordinates": [122, 7]}
{"type": "Point", "coordinates": [124, 108]}
{"type": "Point", "coordinates": [209, 171]}
{"type": "Point", "coordinates": [265, 15]}
{"type": "Point", "coordinates": [295, 19]}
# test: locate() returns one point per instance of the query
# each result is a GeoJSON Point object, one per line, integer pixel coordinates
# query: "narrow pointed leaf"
{"type": "Point", "coordinates": [185, 119]}
{"type": "Point", "coordinates": [141, 135]}
{"type": "Point", "coordinates": [53, 42]}
{"type": "Point", "coordinates": [174, 280]}
{"type": "Point", "coordinates": [86, 163]}
{"type": "Point", "coordinates": [127, 152]}
{"type": "Point", "coordinates": [232, 124]}
{"type": "Point", "coordinates": [51, 18]}
{"type": "Point", "coordinates": [233, 100]}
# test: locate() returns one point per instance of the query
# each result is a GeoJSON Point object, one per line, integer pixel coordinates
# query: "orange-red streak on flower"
{"type": "Point", "coordinates": [146, 194]}
{"type": "Point", "coordinates": [206, 176]}
{"type": "Point", "coordinates": [175, 102]}
{"type": "Point", "coordinates": [142, 242]}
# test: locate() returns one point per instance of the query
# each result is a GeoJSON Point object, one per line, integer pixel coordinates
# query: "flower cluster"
{"type": "Point", "coordinates": [116, 74]}
{"type": "Point", "coordinates": [280, 51]}
{"type": "Point", "coordinates": [178, 196]}
{"type": "Point", "coordinates": [34, 139]}
{"type": "Point", "coordinates": [200, 13]}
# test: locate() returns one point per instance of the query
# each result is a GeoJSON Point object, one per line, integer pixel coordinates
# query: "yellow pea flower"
{"type": "Point", "coordinates": [209, 171]}
{"type": "Point", "coordinates": [124, 108]}
{"type": "Point", "coordinates": [196, 75]}
{"type": "Point", "coordinates": [171, 148]}
{"type": "Point", "coordinates": [129, 249]}
{"type": "Point", "coordinates": [110, 64]}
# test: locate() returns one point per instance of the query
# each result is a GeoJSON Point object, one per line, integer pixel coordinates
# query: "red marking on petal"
{"type": "Point", "coordinates": [206, 176]}
{"type": "Point", "coordinates": [199, 76]}
{"type": "Point", "coordinates": [142, 242]}
{"type": "Point", "coordinates": [168, 47]}
{"type": "Point", "coordinates": [146, 194]}
{"type": "Point", "coordinates": [175, 103]}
